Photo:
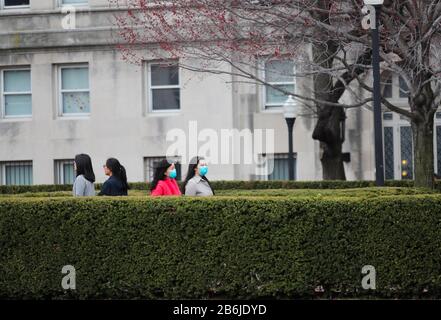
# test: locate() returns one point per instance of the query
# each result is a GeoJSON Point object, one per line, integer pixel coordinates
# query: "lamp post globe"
{"type": "Point", "coordinates": [290, 108]}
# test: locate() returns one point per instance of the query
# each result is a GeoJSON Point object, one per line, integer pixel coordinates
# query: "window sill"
{"type": "Point", "coordinates": [272, 110]}
{"type": "Point", "coordinates": [164, 113]}
{"type": "Point", "coordinates": [15, 10]}
{"type": "Point", "coordinates": [73, 117]}
{"type": "Point", "coordinates": [16, 119]}
{"type": "Point", "coordinates": [16, 7]}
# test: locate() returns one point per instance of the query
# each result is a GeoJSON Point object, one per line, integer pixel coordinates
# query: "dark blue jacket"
{"type": "Point", "coordinates": [113, 187]}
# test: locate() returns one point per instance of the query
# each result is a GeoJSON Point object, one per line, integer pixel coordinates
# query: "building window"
{"type": "Point", "coordinates": [387, 88]}
{"type": "Point", "coordinates": [149, 167]}
{"type": "Point", "coordinates": [398, 148]}
{"type": "Point", "coordinates": [74, 90]}
{"type": "Point", "coordinates": [16, 173]}
{"type": "Point", "coordinates": [387, 116]}
{"type": "Point", "coordinates": [404, 89]}
{"type": "Point", "coordinates": [11, 4]}
{"type": "Point", "coordinates": [164, 87]}
{"type": "Point", "coordinates": [73, 2]}
{"type": "Point", "coordinates": [406, 153]}
{"type": "Point", "coordinates": [16, 93]}
{"type": "Point", "coordinates": [280, 74]}
{"type": "Point", "coordinates": [277, 166]}
{"type": "Point", "coordinates": [64, 172]}
{"type": "Point", "coordinates": [389, 166]}
{"type": "Point", "coordinates": [395, 88]}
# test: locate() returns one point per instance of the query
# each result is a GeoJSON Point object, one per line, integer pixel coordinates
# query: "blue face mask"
{"type": "Point", "coordinates": [203, 170]}
{"type": "Point", "coordinates": [173, 174]}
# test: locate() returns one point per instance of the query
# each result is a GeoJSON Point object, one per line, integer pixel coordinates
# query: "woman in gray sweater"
{"type": "Point", "coordinates": [84, 182]}
{"type": "Point", "coordinates": [196, 183]}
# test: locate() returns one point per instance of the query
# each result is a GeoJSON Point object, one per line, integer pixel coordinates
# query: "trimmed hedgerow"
{"type": "Point", "coordinates": [226, 185]}
{"type": "Point", "coordinates": [229, 247]}
{"type": "Point", "coordinates": [372, 192]}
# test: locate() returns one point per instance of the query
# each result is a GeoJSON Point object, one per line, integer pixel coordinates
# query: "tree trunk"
{"type": "Point", "coordinates": [422, 129]}
{"type": "Point", "coordinates": [424, 167]}
{"type": "Point", "coordinates": [328, 131]}
{"type": "Point", "coordinates": [328, 128]}
{"type": "Point", "coordinates": [332, 162]}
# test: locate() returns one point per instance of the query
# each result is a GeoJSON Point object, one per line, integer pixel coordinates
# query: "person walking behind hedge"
{"type": "Point", "coordinates": [85, 177]}
{"type": "Point", "coordinates": [164, 180]}
{"type": "Point", "coordinates": [117, 184]}
{"type": "Point", "coordinates": [196, 182]}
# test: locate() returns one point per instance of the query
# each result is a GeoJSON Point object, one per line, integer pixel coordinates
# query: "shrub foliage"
{"type": "Point", "coordinates": [229, 247]}
{"type": "Point", "coordinates": [229, 185]}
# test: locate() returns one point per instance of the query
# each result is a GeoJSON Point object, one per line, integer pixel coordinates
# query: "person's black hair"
{"type": "Point", "coordinates": [160, 168]}
{"type": "Point", "coordinates": [84, 167]}
{"type": "Point", "coordinates": [118, 171]}
{"type": "Point", "coordinates": [194, 162]}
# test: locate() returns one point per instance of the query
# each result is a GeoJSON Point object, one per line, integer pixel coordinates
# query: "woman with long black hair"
{"type": "Point", "coordinates": [164, 179]}
{"type": "Point", "coordinates": [196, 182]}
{"type": "Point", "coordinates": [117, 184]}
{"type": "Point", "coordinates": [85, 177]}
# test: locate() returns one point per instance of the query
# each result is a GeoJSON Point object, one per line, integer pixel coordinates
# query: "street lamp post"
{"type": "Point", "coordinates": [378, 126]}
{"type": "Point", "coordinates": [290, 115]}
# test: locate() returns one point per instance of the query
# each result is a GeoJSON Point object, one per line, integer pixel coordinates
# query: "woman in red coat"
{"type": "Point", "coordinates": [164, 180]}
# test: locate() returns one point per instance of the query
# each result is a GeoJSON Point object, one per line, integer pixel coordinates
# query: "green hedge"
{"type": "Point", "coordinates": [226, 185]}
{"type": "Point", "coordinates": [371, 192]}
{"type": "Point", "coordinates": [242, 247]}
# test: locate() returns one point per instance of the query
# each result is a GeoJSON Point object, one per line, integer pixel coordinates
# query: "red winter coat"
{"type": "Point", "coordinates": [167, 187]}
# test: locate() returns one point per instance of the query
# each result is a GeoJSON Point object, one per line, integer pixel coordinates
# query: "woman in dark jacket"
{"type": "Point", "coordinates": [117, 184]}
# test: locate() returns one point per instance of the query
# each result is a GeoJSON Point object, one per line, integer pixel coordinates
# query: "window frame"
{"type": "Point", "coordinates": [150, 87]}
{"type": "Point", "coordinates": [396, 123]}
{"type": "Point", "coordinates": [16, 163]}
{"type": "Point", "coordinates": [3, 93]}
{"type": "Point", "coordinates": [3, 6]}
{"type": "Point", "coordinates": [153, 159]}
{"type": "Point", "coordinates": [396, 90]}
{"type": "Point", "coordinates": [265, 174]}
{"type": "Point", "coordinates": [277, 108]}
{"type": "Point", "coordinates": [61, 113]}
{"type": "Point", "coordinates": [59, 170]}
